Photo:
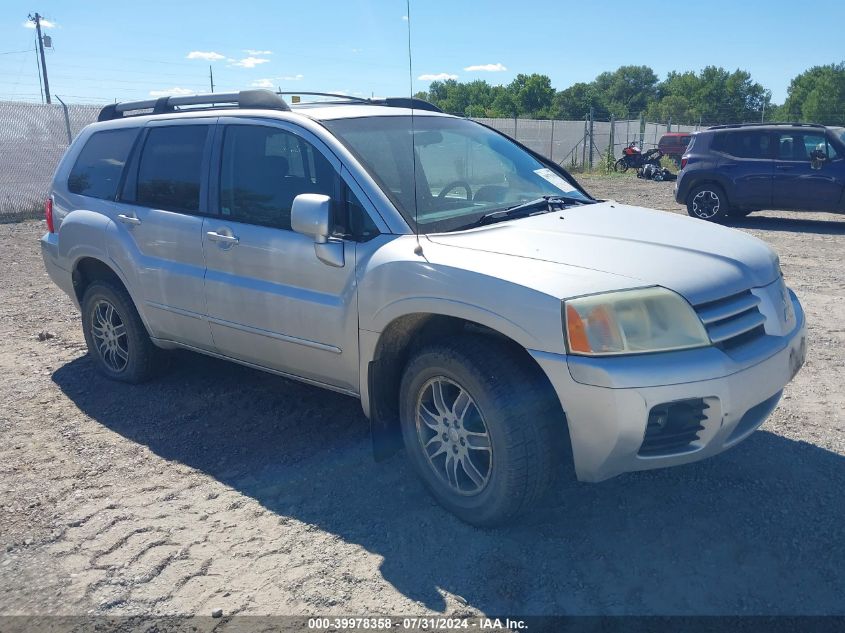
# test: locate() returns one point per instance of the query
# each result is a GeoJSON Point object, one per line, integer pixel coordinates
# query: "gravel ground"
{"type": "Point", "coordinates": [221, 487]}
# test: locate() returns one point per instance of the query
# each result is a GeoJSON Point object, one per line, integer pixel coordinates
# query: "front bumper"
{"type": "Point", "coordinates": [607, 422]}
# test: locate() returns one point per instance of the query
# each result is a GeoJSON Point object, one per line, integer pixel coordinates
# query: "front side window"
{"type": "Point", "coordinates": [263, 169]}
{"type": "Point", "coordinates": [170, 169]}
{"type": "Point", "coordinates": [752, 144]}
{"type": "Point", "coordinates": [99, 166]}
{"type": "Point", "coordinates": [448, 172]}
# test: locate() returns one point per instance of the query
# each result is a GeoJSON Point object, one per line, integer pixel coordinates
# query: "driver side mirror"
{"type": "Point", "coordinates": [310, 215]}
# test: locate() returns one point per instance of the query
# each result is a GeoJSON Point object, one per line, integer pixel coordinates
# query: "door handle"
{"type": "Point", "coordinates": [214, 236]}
{"type": "Point", "coordinates": [128, 219]}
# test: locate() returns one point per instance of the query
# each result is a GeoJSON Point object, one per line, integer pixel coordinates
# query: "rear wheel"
{"type": "Point", "coordinates": [708, 202]}
{"type": "Point", "coordinates": [620, 165]}
{"type": "Point", "coordinates": [479, 429]}
{"type": "Point", "coordinates": [116, 337]}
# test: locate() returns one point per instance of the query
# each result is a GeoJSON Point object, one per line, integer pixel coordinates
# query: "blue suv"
{"type": "Point", "coordinates": [732, 170]}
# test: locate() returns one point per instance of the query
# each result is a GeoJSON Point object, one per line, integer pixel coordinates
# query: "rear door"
{"type": "Point", "coordinates": [271, 302]}
{"type": "Point", "coordinates": [800, 185]}
{"type": "Point", "coordinates": [747, 165]}
{"type": "Point", "coordinates": [158, 225]}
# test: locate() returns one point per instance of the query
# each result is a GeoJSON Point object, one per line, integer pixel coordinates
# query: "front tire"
{"type": "Point", "coordinates": [116, 337]}
{"type": "Point", "coordinates": [708, 202]}
{"type": "Point", "coordinates": [480, 429]}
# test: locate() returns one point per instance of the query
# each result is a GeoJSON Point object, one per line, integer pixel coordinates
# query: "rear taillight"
{"type": "Point", "coordinates": [48, 215]}
{"type": "Point", "coordinates": [684, 162]}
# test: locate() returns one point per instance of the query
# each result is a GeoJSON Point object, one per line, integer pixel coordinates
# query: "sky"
{"type": "Point", "coordinates": [106, 51]}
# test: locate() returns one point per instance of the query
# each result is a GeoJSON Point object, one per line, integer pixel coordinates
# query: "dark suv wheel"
{"type": "Point", "coordinates": [479, 429]}
{"type": "Point", "coordinates": [116, 337]}
{"type": "Point", "coordinates": [708, 202]}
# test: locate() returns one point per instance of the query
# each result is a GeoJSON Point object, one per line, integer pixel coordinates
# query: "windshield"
{"type": "Point", "coordinates": [463, 170]}
{"type": "Point", "coordinates": [840, 132]}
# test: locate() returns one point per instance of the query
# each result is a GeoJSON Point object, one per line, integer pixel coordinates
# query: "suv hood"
{"type": "Point", "coordinates": [699, 260]}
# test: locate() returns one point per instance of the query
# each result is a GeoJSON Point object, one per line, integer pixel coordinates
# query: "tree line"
{"type": "Point", "coordinates": [709, 97]}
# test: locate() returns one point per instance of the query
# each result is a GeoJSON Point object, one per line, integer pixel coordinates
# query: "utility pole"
{"type": "Point", "coordinates": [211, 77]}
{"type": "Point", "coordinates": [37, 19]}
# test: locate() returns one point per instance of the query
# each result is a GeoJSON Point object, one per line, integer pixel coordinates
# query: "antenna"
{"type": "Point", "coordinates": [418, 250]}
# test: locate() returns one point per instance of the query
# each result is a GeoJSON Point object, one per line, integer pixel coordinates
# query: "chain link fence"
{"type": "Point", "coordinates": [33, 138]}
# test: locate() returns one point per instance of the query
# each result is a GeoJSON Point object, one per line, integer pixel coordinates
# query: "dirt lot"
{"type": "Point", "coordinates": [221, 487]}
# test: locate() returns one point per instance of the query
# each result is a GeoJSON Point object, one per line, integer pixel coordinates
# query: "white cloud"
{"type": "Point", "coordinates": [271, 82]}
{"type": "Point", "coordinates": [209, 56]}
{"type": "Point", "coordinates": [405, 18]}
{"type": "Point", "coordinates": [45, 24]}
{"type": "Point", "coordinates": [175, 91]}
{"type": "Point", "coordinates": [489, 68]}
{"type": "Point", "coordinates": [250, 62]}
{"type": "Point", "coordinates": [437, 77]}
{"type": "Point", "coordinates": [255, 53]}
{"type": "Point", "coordinates": [262, 83]}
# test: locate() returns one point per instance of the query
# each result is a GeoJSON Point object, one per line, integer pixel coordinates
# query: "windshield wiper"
{"type": "Point", "coordinates": [546, 204]}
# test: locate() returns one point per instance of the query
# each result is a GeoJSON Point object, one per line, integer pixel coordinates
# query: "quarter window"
{"type": "Point", "coordinates": [170, 169]}
{"type": "Point", "coordinates": [264, 169]}
{"type": "Point", "coordinates": [99, 166]}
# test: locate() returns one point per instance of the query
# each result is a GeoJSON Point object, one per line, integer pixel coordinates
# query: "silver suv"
{"type": "Point", "coordinates": [491, 316]}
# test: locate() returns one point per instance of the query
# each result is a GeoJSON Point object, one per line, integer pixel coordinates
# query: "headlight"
{"type": "Point", "coordinates": [632, 322]}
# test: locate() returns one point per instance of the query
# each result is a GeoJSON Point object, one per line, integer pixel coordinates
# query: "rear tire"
{"type": "Point", "coordinates": [481, 429]}
{"type": "Point", "coordinates": [116, 337]}
{"type": "Point", "coordinates": [620, 165]}
{"type": "Point", "coordinates": [708, 202]}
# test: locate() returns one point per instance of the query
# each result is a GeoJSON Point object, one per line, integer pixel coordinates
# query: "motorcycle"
{"type": "Point", "coordinates": [634, 158]}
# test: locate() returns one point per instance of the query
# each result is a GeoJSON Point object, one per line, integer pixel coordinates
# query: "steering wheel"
{"type": "Point", "coordinates": [454, 185]}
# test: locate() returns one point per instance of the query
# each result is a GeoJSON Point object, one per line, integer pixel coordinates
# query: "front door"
{"type": "Point", "coordinates": [270, 301]}
{"type": "Point", "coordinates": [797, 184]}
{"type": "Point", "coordinates": [748, 163]}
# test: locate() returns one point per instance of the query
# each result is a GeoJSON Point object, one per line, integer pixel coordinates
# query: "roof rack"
{"type": "Point", "coordinates": [736, 125]}
{"type": "Point", "coordinates": [256, 99]}
{"type": "Point", "coordinates": [390, 102]}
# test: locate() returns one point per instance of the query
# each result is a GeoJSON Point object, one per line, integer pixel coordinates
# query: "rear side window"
{"type": "Point", "coordinates": [752, 144]}
{"type": "Point", "coordinates": [263, 169]}
{"type": "Point", "coordinates": [170, 169]}
{"type": "Point", "coordinates": [99, 166]}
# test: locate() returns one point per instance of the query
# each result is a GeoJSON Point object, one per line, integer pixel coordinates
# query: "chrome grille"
{"type": "Point", "coordinates": [733, 320]}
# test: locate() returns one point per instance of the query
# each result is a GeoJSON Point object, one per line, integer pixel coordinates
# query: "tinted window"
{"type": "Point", "coordinates": [170, 169]}
{"type": "Point", "coordinates": [264, 169]}
{"type": "Point", "coordinates": [817, 142]}
{"type": "Point", "coordinates": [97, 170]}
{"type": "Point", "coordinates": [752, 144]}
{"type": "Point", "coordinates": [354, 221]}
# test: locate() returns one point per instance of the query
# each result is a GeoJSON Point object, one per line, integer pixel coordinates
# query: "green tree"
{"type": "Point", "coordinates": [626, 91]}
{"type": "Point", "coordinates": [817, 96]}
{"type": "Point", "coordinates": [575, 102]}
{"type": "Point", "coordinates": [533, 94]}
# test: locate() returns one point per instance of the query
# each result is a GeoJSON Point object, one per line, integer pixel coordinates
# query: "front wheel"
{"type": "Point", "coordinates": [620, 165]}
{"type": "Point", "coordinates": [479, 429]}
{"type": "Point", "coordinates": [708, 202]}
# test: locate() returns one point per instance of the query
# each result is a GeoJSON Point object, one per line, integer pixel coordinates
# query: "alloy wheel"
{"type": "Point", "coordinates": [454, 436]}
{"type": "Point", "coordinates": [705, 204]}
{"type": "Point", "coordinates": [110, 338]}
